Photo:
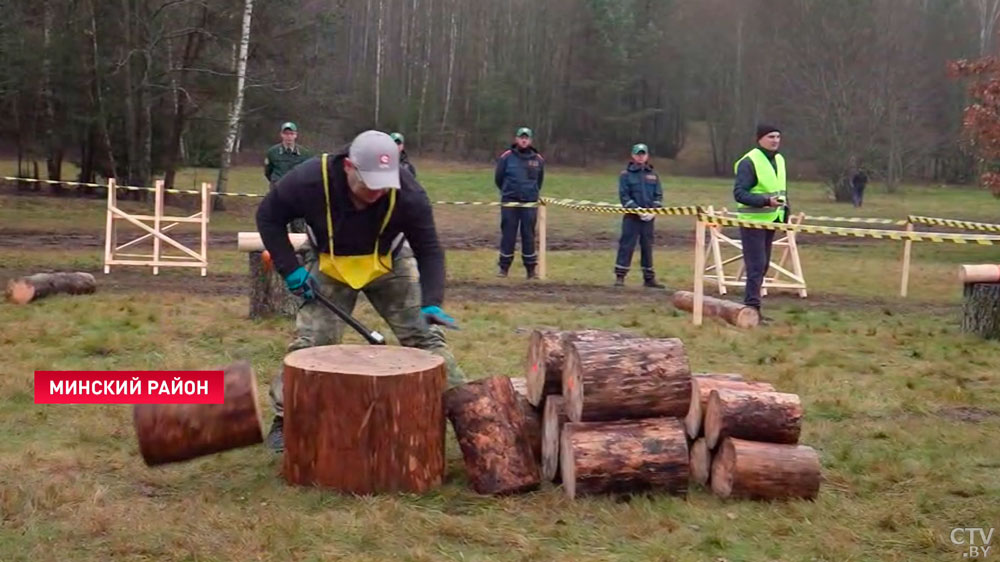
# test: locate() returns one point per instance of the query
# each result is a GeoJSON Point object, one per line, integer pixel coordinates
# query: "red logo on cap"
{"type": "Point", "coordinates": [384, 159]}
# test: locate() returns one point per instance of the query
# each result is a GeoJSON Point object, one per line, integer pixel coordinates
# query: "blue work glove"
{"type": "Point", "coordinates": [434, 315]}
{"type": "Point", "coordinates": [298, 282]}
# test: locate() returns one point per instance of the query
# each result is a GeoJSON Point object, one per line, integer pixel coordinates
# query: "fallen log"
{"type": "Point", "coordinates": [532, 417]}
{"type": "Point", "coordinates": [490, 427]}
{"type": "Point", "coordinates": [702, 386]}
{"type": "Point", "coordinates": [737, 314]}
{"type": "Point", "coordinates": [986, 273]}
{"type": "Point", "coordinates": [33, 287]}
{"type": "Point", "coordinates": [768, 471]}
{"type": "Point", "coordinates": [701, 462]}
{"type": "Point", "coordinates": [544, 365]}
{"type": "Point", "coordinates": [251, 241]}
{"type": "Point", "coordinates": [626, 379]}
{"type": "Point", "coordinates": [553, 419]}
{"type": "Point", "coordinates": [624, 457]}
{"type": "Point", "coordinates": [170, 433]}
{"type": "Point", "coordinates": [981, 310]}
{"type": "Point", "coordinates": [364, 419]}
{"type": "Point", "coordinates": [771, 417]}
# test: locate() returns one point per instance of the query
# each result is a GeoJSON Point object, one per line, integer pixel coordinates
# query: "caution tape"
{"type": "Point", "coordinates": [489, 203]}
{"type": "Point", "coordinates": [599, 207]}
{"type": "Point", "coordinates": [856, 232]}
{"type": "Point", "coordinates": [964, 225]}
{"type": "Point", "coordinates": [852, 220]}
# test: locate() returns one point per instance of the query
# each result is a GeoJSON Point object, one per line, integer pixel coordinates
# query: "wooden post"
{"type": "Point", "coordinates": [110, 238]}
{"type": "Point", "coordinates": [793, 248]}
{"type": "Point", "coordinates": [699, 270]}
{"type": "Point", "coordinates": [542, 241]}
{"type": "Point", "coordinates": [904, 285]}
{"type": "Point", "coordinates": [157, 213]}
{"type": "Point", "coordinates": [717, 255]}
{"type": "Point", "coordinates": [205, 190]}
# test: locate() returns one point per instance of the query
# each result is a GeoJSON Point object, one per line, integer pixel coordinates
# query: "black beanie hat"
{"type": "Point", "coordinates": [763, 129]}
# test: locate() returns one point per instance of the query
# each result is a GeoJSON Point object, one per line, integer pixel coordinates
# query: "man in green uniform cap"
{"type": "Point", "coordinates": [404, 159]}
{"type": "Point", "coordinates": [284, 156]}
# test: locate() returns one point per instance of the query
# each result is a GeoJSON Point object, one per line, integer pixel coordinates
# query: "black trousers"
{"type": "Point", "coordinates": [634, 228]}
{"type": "Point", "coordinates": [757, 259]}
{"type": "Point", "coordinates": [858, 195]}
{"type": "Point", "coordinates": [513, 219]}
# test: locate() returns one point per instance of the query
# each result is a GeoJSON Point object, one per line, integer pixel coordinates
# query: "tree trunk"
{"type": "Point", "coordinates": [53, 141]}
{"type": "Point", "coordinates": [178, 432]}
{"type": "Point", "coordinates": [451, 68]}
{"type": "Point", "coordinates": [626, 379]}
{"type": "Point", "coordinates": [553, 419]}
{"type": "Point", "coordinates": [746, 469]}
{"type": "Point", "coordinates": [532, 417]}
{"type": "Point", "coordinates": [378, 63]}
{"type": "Point", "coordinates": [545, 358]}
{"type": "Point", "coordinates": [33, 287]}
{"type": "Point", "coordinates": [702, 387]}
{"type": "Point", "coordinates": [490, 428]}
{"type": "Point", "coordinates": [981, 310]}
{"type": "Point", "coordinates": [236, 109]}
{"type": "Point", "coordinates": [701, 462]}
{"type": "Point", "coordinates": [268, 294]}
{"type": "Point", "coordinates": [771, 417]}
{"type": "Point", "coordinates": [737, 314]}
{"type": "Point", "coordinates": [364, 419]}
{"type": "Point", "coordinates": [624, 457]}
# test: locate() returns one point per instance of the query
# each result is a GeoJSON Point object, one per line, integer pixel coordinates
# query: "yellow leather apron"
{"type": "Point", "coordinates": [354, 271]}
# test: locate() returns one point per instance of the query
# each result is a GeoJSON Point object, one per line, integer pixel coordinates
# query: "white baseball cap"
{"type": "Point", "coordinates": [376, 157]}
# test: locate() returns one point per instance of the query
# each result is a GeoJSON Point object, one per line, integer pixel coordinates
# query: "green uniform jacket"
{"type": "Point", "coordinates": [279, 160]}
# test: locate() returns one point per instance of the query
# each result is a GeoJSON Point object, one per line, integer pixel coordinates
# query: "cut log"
{"type": "Point", "coordinates": [178, 432]}
{"type": "Point", "coordinates": [987, 273]}
{"type": "Point", "coordinates": [624, 457]}
{"type": "Point", "coordinates": [544, 365]}
{"type": "Point", "coordinates": [626, 379]}
{"type": "Point", "coordinates": [532, 417]}
{"type": "Point", "coordinates": [701, 462]}
{"type": "Point", "coordinates": [364, 419]}
{"type": "Point", "coordinates": [981, 310]}
{"type": "Point", "coordinates": [719, 376]}
{"type": "Point", "coordinates": [553, 419]}
{"type": "Point", "coordinates": [702, 387]}
{"type": "Point", "coordinates": [251, 241]}
{"type": "Point", "coordinates": [268, 294]}
{"type": "Point", "coordinates": [33, 287]}
{"type": "Point", "coordinates": [490, 427]}
{"type": "Point", "coordinates": [752, 470]}
{"type": "Point", "coordinates": [735, 313]}
{"type": "Point", "coordinates": [770, 417]}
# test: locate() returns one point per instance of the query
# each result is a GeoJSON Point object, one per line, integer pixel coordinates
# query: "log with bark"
{"type": "Point", "coordinates": [984, 273]}
{"type": "Point", "coordinates": [771, 417]}
{"type": "Point", "coordinates": [490, 427]}
{"type": "Point", "coordinates": [532, 417]}
{"type": "Point", "coordinates": [178, 432]}
{"type": "Point", "coordinates": [981, 310]}
{"type": "Point", "coordinates": [553, 419]}
{"type": "Point", "coordinates": [701, 461]}
{"type": "Point", "coordinates": [23, 290]}
{"type": "Point", "coordinates": [702, 386]}
{"type": "Point", "coordinates": [735, 313]}
{"type": "Point", "coordinates": [626, 379]}
{"type": "Point", "coordinates": [624, 457]}
{"type": "Point", "coordinates": [268, 294]}
{"type": "Point", "coordinates": [753, 470]}
{"type": "Point", "coordinates": [544, 365]}
{"type": "Point", "coordinates": [364, 419]}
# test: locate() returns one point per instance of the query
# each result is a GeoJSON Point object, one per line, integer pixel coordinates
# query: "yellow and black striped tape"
{"type": "Point", "coordinates": [952, 223]}
{"type": "Point", "coordinates": [852, 220]}
{"type": "Point", "coordinates": [600, 207]}
{"type": "Point", "coordinates": [856, 232]}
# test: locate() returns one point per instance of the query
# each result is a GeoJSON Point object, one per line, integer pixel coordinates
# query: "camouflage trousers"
{"type": "Point", "coordinates": [395, 296]}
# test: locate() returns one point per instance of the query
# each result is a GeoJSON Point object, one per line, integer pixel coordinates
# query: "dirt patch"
{"type": "Point", "coordinates": [970, 414]}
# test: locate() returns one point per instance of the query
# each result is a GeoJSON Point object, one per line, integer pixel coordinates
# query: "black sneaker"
{"type": "Point", "coordinates": [276, 437]}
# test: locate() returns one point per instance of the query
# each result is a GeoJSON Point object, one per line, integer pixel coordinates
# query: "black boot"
{"type": "Point", "coordinates": [652, 284]}
{"type": "Point", "coordinates": [276, 437]}
{"type": "Point", "coordinates": [619, 280]}
{"type": "Point", "coordinates": [532, 271]}
{"type": "Point", "coordinates": [502, 271]}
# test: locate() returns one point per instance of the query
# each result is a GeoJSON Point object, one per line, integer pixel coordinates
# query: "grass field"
{"type": "Point", "coordinates": [903, 408]}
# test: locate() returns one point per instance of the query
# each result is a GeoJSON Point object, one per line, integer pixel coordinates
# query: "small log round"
{"type": "Point", "coordinates": [701, 462]}
{"type": "Point", "coordinates": [364, 419]}
{"type": "Point", "coordinates": [627, 379]}
{"type": "Point", "coordinates": [33, 287]}
{"type": "Point", "coordinates": [170, 433]}
{"type": "Point", "coordinates": [624, 457]}
{"type": "Point", "coordinates": [981, 310]}
{"type": "Point", "coordinates": [771, 417]}
{"type": "Point", "coordinates": [544, 365]}
{"type": "Point", "coordinates": [735, 313]}
{"type": "Point", "coordinates": [532, 417]}
{"type": "Point", "coordinates": [702, 386]}
{"type": "Point", "coordinates": [767, 471]}
{"type": "Point", "coordinates": [553, 419]}
{"type": "Point", "coordinates": [490, 427]}
{"type": "Point", "coordinates": [268, 294]}
{"type": "Point", "coordinates": [985, 273]}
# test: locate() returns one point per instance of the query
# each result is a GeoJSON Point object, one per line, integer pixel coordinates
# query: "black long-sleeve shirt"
{"type": "Point", "coordinates": [746, 178]}
{"type": "Point", "coordinates": [299, 194]}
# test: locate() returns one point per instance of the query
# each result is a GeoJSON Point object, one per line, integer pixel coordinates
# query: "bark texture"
{"type": "Point", "coordinates": [33, 287]}
{"type": "Point", "coordinates": [981, 310]}
{"type": "Point", "coordinates": [772, 417]}
{"type": "Point", "coordinates": [702, 386]}
{"type": "Point", "coordinates": [769, 471]}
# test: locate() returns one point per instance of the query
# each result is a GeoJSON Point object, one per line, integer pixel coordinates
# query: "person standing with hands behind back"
{"type": "Point", "coordinates": [519, 174]}
{"type": "Point", "coordinates": [760, 192]}
{"type": "Point", "coordinates": [638, 188]}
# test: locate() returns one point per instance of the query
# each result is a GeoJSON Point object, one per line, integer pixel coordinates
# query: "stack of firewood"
{"type": "Point", "coordinates": [612, 413]}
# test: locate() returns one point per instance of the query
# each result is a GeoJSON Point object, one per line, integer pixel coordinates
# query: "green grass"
{"type": "Point", "coordinates": [901, 406]}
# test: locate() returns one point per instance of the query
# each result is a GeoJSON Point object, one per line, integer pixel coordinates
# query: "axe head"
{"type": "Point", "coordinates": [265, 258]}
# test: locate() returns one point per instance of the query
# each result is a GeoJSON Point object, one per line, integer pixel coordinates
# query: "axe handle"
{"type": "Point", "coordinates": [372, 336]}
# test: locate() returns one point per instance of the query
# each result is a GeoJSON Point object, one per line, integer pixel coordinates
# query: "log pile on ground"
{"type": "Point", "coordinates": [981, 309]}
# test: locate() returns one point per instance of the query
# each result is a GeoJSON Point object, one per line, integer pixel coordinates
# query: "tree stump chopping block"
{"type": "Point", "coordinates": [752, 470]}
{"type": "Point", "coordinates": [626, 379]}
{"type": "Point", "coordinates": [702, 387]}
{"type": "Point", "coordinates": [553, 419]}
{"type": "Point", "coordinates": [364, 419]}
{"type": "Point", "coordinates": [737, 314]}
{"type": "Point", "coordinates": [981, 310]}
{"type": "Point", "coordinates": [268, 294]}
{"type": "Point", "coordinates": [33, 287]}
{"type": "Point", "coordinates": [178, 432]}
{"type": "Point", "coordinates": [624, 457]}
{"type": "Point", "coordinates": [490, 428]}
{"type": "Point", "coordinates": [532, 417]}
{"type": "Point", "coordinates": [546, 354]}
{"type": "Point", "coordinates": [770, 417]}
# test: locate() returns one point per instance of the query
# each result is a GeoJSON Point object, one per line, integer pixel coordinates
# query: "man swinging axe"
{"type": "Point", "coordinates": [359, 209]}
